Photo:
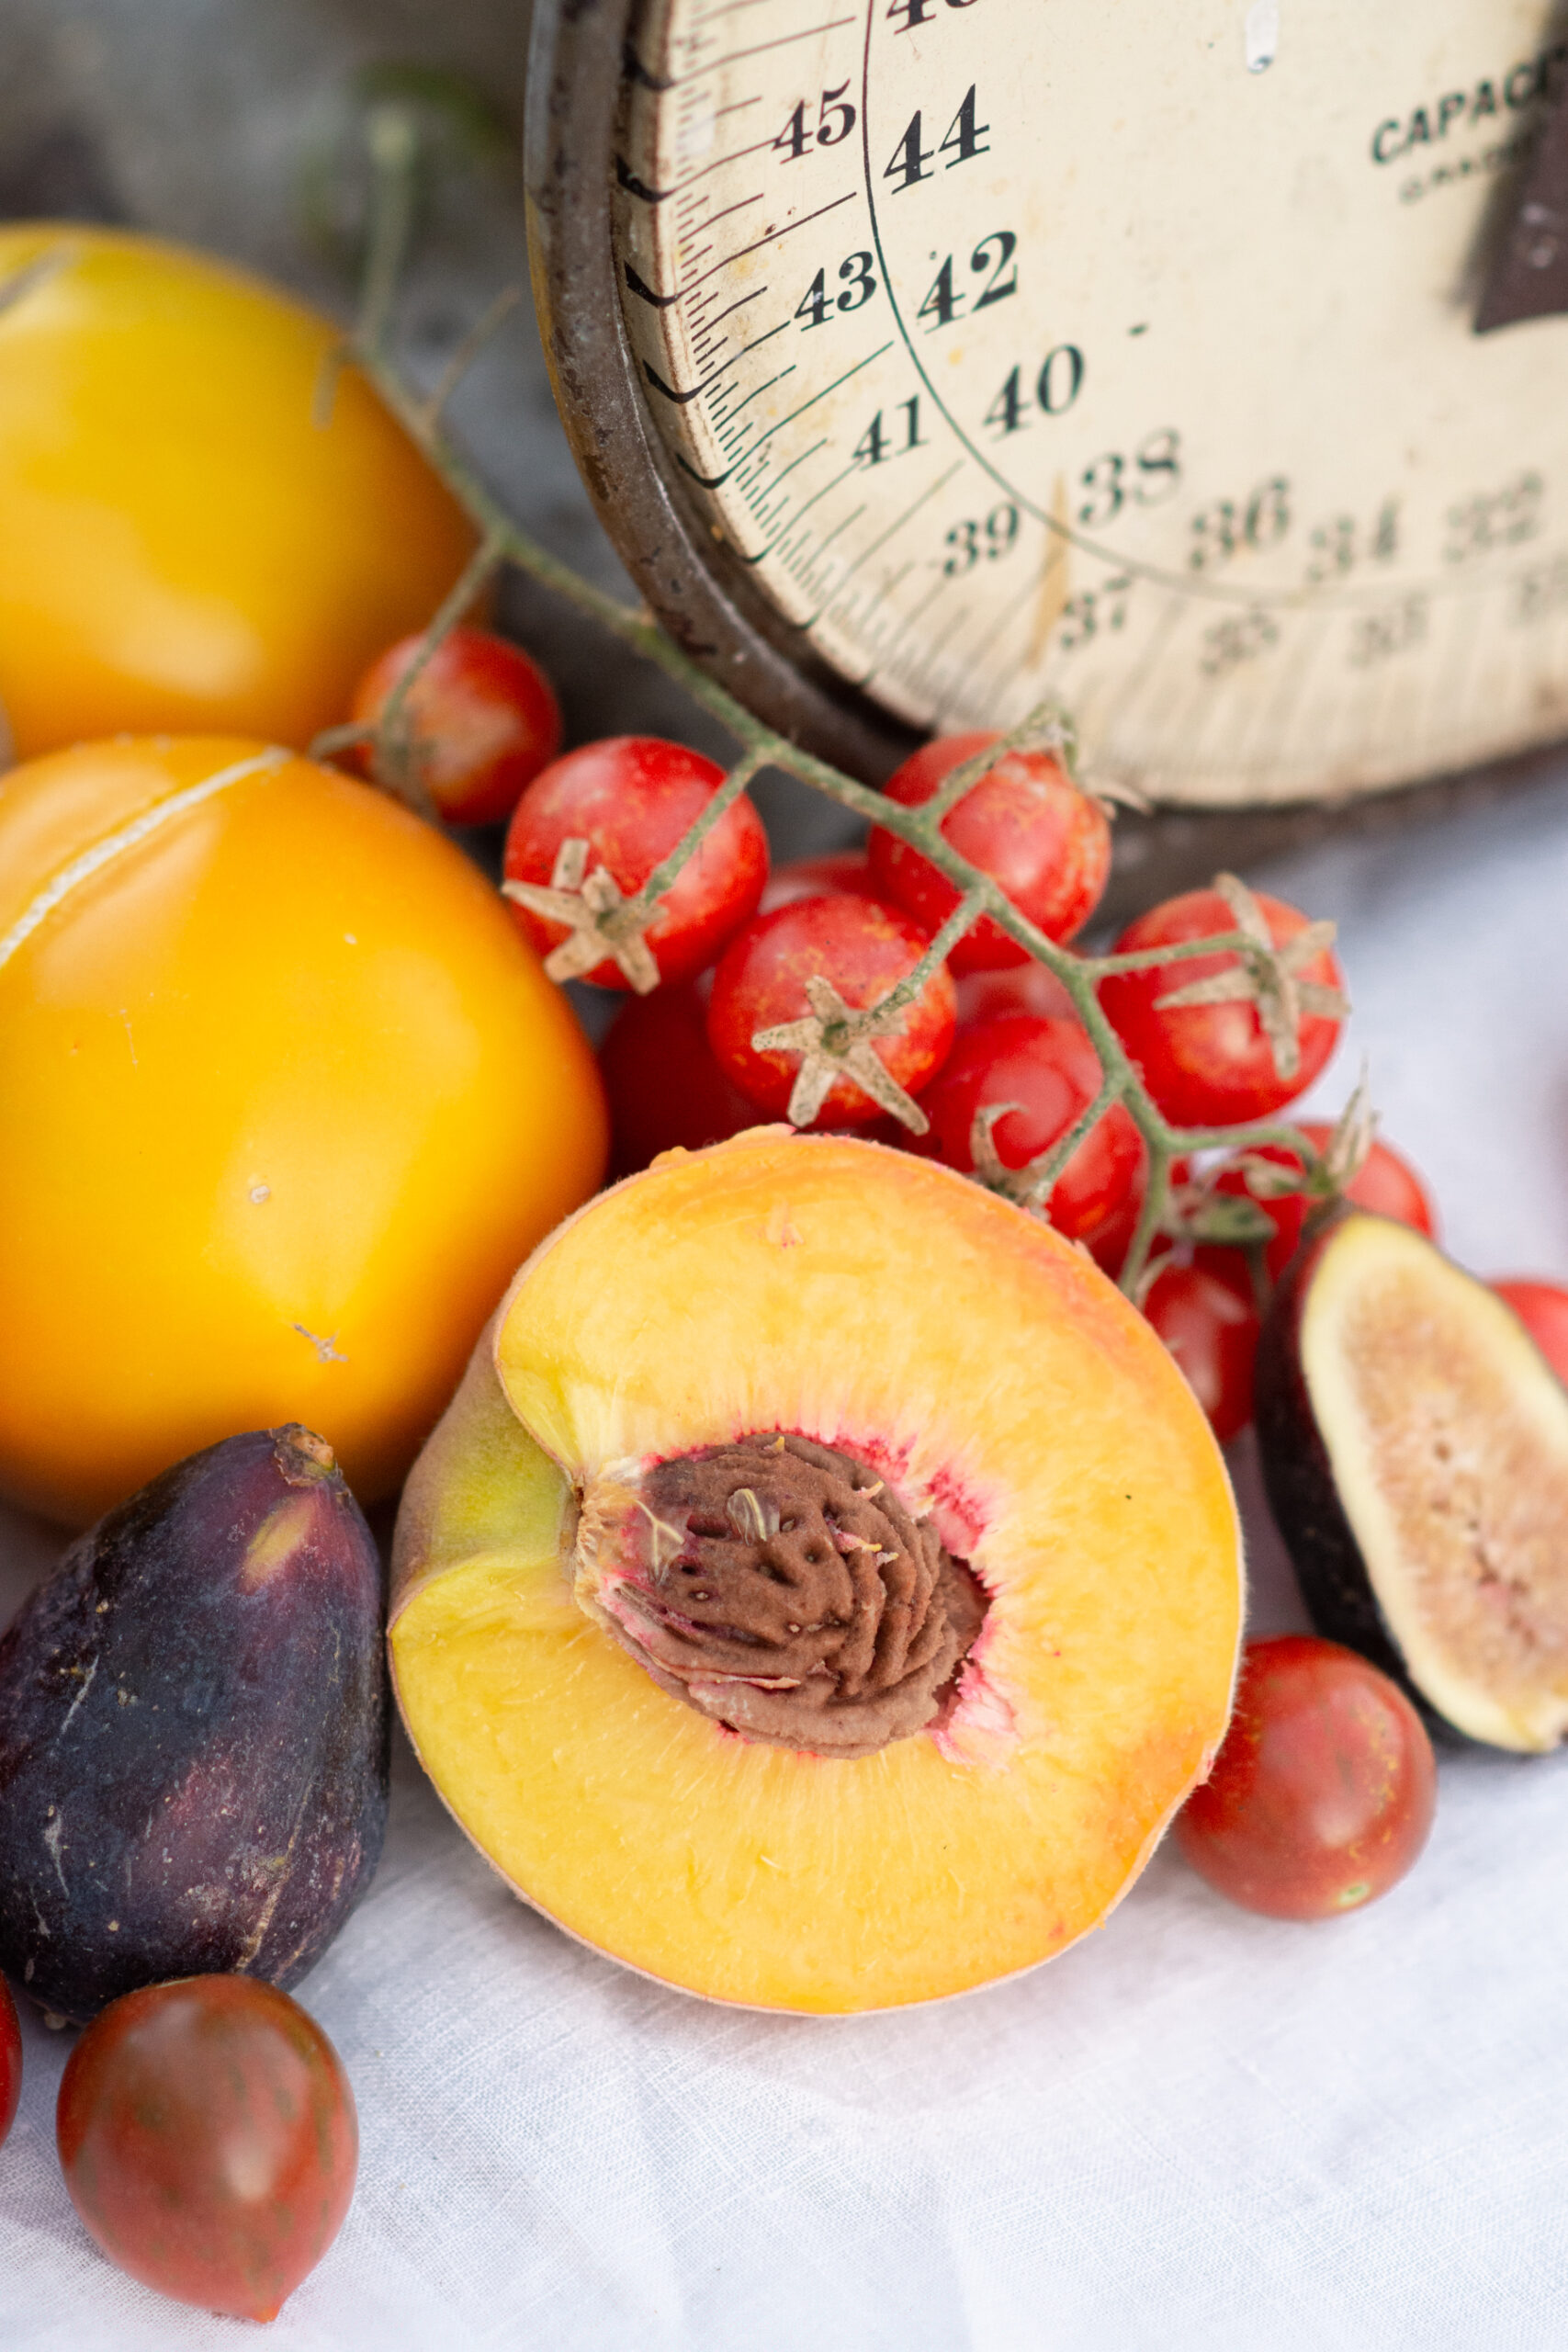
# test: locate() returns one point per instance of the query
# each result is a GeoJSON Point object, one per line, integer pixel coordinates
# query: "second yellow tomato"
{"type": "Point", "coordinates": [284, 1102]}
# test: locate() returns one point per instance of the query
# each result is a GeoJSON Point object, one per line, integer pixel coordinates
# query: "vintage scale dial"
{"type": "Point", "coordinates": [987, 351]}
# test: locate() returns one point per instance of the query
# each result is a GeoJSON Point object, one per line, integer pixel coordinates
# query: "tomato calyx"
{"type": "Point", "coordinates": [833, 1041]}
{"type": "Point", "coordinates": [1267, 976]}
{"type": "Point", "coordinates": [601, 919]}
{"type": "Point", "coordinates": [1030, 1186]}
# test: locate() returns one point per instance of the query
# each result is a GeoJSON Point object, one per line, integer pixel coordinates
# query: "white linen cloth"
{"type": "Point", "coordinates": [1198, 2131]}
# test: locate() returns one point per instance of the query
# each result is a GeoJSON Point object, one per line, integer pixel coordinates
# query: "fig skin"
{"type": "Point", "coordinates": [1298, 1478]}
{"type": "Point", "coordinates": [194, 1731]}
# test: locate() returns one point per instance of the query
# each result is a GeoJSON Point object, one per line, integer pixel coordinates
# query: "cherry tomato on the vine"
{"type": "Point", "coordinates": [1207, 1315]}
{"type": "Point", "coordinates": [208, 2140]}
{"type": "Point", "coordinates": [1542, 1308]}
{"type": "Point", "coordinates": [10, 2059]}
{"type": "Point", "coordinates": [863, 949]}
{"type": "Point", "coordinates": [1384, 1183]}
{"type": "Point", "coordinates": [664, 1084]}
{"type": "Point", "coordinates": [1323, 1793]}
{"type": "Point", "coordinates": [631, 798]}
{"type": "Point", "coordinates": [483, 720]}
{"type": "Point", "coordinates": [1021, 988]}
{"type": "Point", "coordinates": [1047, 1069]}
{"type": "Point", "coordinates": [1212, 1064]}
{"type": "Point", "coordinates": [1026, 824]}
{"type": "Point", "coordinates": [828, 876]}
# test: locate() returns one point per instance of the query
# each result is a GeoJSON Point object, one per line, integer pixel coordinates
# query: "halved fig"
{"type": "Point", "coordinates": [823, 1588]}
{"type": "Point", "coordinates": [1415, 1447]}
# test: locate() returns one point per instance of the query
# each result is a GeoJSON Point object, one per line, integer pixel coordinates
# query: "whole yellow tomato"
{"type": "Point", "coordinates": [186, 543]}
{"type": "Point", "coordinates": [284, 1102]}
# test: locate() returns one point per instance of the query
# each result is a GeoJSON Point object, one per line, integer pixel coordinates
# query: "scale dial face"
{"type": "Point", "coordinates": [1121, 356]}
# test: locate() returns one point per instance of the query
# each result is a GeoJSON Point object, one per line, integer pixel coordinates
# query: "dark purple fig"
{"type": "Point", "coordinates": [1415, 1448]}
{"type": "Point", "coordinates": [193, 1731]}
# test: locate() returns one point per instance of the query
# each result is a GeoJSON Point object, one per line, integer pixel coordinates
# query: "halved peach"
{"type": "Point", "coordinates": [823, 1588]}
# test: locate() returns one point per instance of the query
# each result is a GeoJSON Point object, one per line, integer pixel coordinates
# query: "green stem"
{"type": "Point", "coordinates": [668, 869]}
{"type": "Point", "coordinates": [1042, 721]}
{"type": "Point", "coordinates": [468, 350]}
{"type": "Point", "coordinates": [1156, 1193]}
{"type": "Point", "coordinates": [391, 139]}
{"type": "Point", "coordinates": [393, 760]}
{"type": "Point", "coordinates": [1044, 1176]}
{"type": "Point", "coordinates": [1178, 951]}
{"type": "Point", "coordinates": [962, 918]}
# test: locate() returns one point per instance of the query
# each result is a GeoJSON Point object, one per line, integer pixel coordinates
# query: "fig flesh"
{"type": "Point", "coordinates": [1415, 1447]}
{"type": "Point", "coordinates": [193, 1731]}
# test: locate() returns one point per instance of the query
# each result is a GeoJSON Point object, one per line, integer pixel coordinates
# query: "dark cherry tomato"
{"type": "Point", "coordinates": [1049, 1069]}
{"type": "Point", "coordinates": [1207, 1315]}
{"type": "Point", "coordinates": [208, 2140]}
{"type": "Point", "coordinates": [1212, 1064]}
{"type": "Point", "coordinates": [664, 1084]}
{"type": "Point", "coordinates": [1024, 824]}
{"type": "Point", "coordinates": [631, 798]}
{"type": "Point", "coordinates": [1323, 1793]}
{"type": "Point", "coordinates": [485, 721]}
{"type": "Point", "coordinates": [1542, 1308]}
{"type": "Point", "coordinates": [1385, 1184]}
{"type": "Point", "coordinates": [863, 948]}
{"type": "Point", "coordinates": [829, 876]}
{"type": "Point", "coordinates": [10, 2059]}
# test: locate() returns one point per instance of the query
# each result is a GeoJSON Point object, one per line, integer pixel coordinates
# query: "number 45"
{"type": "Point", "coordinates": [832, 107]}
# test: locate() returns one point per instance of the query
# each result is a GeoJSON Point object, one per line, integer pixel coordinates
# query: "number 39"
{"type": "Point", "coordinates": [1001, 529]}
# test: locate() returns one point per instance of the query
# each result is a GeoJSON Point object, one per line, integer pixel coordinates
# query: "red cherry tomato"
{"type": "Point", "coordinates": [10, 2059]}
{"type": "Point", "coordinates": [1323, 1793]}
{"type": "Point", "coordinates": [863, 948]}
{"type": "Point", "coordinates": [485, 721]}
{"type": "Point", "coordinates": [1207, 1315]}
{"type": "Point", "coordinates": [1021, 988]}
{"type": "Point", "coordinates": [1049, 1069]}
{"type": "Point", "coordinates": [1024, 824]}
{"type": "Point", "coordinates": [664, 1085]}
{"type": "Point", "coordinates": [631, 798]}
{"type": "Point", "coordinates": [1542, 1308]}
{"type": "Point", "coordinates": [830, 876]}
{"type": "Point", "coordinates": [1211, 1065]}
{"type": "Point", "coordinates": [208, 2140]}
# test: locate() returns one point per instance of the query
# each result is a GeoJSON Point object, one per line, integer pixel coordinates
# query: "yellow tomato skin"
{"type": "Point", "coordinates": [184, 545]}
{"type": "Point", "coordinates": [284, 1102]}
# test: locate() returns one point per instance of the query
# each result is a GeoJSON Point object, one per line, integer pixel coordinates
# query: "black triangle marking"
{"type": "Point", "coordinates": [660, 301]}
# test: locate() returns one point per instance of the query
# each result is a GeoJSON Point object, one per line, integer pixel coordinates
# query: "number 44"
{"type": "Point", "coordinates": [962, 144]}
